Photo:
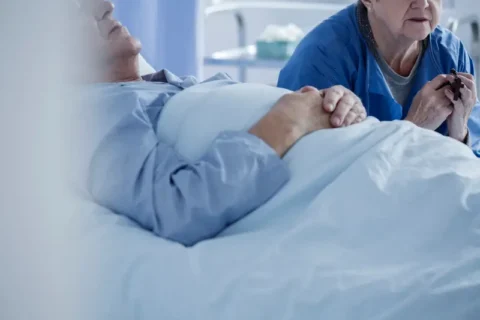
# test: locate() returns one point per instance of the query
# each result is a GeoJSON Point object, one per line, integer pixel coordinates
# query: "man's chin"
{"type": "Point", "coordinates": [136, 46]}
{"type": "Point", "coordinates": [126, 50]}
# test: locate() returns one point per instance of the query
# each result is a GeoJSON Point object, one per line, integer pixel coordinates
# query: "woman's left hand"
{"type": "Point", "coordinates": [344, 105]}
{"type": "Point", "coordinates": [462, 108]}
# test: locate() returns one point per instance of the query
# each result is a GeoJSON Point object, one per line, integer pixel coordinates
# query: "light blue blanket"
{"type": "Point", "coordinates": [379, 221]}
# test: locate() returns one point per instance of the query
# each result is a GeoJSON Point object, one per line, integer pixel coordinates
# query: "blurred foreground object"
{"type": "Point", "coordinates": [35, 65]}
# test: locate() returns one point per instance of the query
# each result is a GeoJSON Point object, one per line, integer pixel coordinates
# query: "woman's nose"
{"type": "Point", "coordinates": [419, 4]}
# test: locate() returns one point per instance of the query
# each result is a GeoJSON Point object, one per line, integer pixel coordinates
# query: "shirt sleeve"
{"type": "Point", "coordinates": [146, 180]}
{"type": "Point", "coordinates": [312, 66]}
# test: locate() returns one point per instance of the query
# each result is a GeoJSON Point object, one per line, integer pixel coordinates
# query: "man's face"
{"type": "Point", "coordinates": [114, 49]}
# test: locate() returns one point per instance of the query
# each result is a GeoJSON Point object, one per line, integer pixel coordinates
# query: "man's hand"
{"type": "Point", "coordinates": [293, 116]}
{"type": "Point", "coordinates": [303, 109]}
{"type": "Point", "coordinates": [345, 106]}
{"type": "Point", "coordinates": [431, 107]}
{"type": "Point", "coordinates": [462, 108]}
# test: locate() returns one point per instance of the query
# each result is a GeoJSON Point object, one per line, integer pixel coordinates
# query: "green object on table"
{"type": "Point", "coordinates": [276, 50]}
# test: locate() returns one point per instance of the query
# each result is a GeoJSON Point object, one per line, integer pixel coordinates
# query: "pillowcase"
{"type": "Point", "coordinates": [193, 118]}
{"type": "Point", "coordinates": [144, 67]}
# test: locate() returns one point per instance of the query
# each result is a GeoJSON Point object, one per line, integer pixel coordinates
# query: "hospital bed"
{"type": "Point", "coordinates": [244, 55]}
{"type": "Point", "coordinates": [379, 221]}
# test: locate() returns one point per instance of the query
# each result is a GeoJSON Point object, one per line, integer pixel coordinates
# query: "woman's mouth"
{"type": "Point", "coordinates": [419, 20]}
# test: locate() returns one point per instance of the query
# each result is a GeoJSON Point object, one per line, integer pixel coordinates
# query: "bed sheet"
{"type": "Point", "coordinates": [379, 221]}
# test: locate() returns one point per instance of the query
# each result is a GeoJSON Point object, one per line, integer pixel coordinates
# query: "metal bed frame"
{"type": "Point", "coordinates": [244, 56]}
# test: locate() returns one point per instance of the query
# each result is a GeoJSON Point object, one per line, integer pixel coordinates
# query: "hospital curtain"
{"type": "Point", "coordinates": [170, 31]}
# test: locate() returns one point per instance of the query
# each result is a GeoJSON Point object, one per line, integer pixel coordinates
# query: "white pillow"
{"type": "Point", "coordinates": [144, 67]}
{"type": "Point", "coordinates": [192, 119]}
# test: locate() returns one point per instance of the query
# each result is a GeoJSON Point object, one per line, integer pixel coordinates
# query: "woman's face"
{"type": "Point", "coordinates": [412, 19]}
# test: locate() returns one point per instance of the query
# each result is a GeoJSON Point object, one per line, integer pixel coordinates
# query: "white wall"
{"type": "Point", "coordinates": [220, 32]}
{"type": "Point", "coordinates": [464, 8]}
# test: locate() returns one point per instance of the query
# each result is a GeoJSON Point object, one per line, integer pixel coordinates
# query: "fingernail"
{"type": "Point", "coordinates": [336, 121]}
{"type": "Point", "coordinates": [330, 106]}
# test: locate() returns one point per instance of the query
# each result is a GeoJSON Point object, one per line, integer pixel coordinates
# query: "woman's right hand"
{"type": "Point", "coordinates": [430, 107]}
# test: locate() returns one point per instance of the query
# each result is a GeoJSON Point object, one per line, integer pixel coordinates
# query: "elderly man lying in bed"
{"type": "Point", "coordinates": [135, 168]}
{"type": "Point", "coordinates": [167, 194]}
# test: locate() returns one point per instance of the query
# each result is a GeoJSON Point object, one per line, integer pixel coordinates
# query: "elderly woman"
{"type": "Point", "coordinates": [395, 57]}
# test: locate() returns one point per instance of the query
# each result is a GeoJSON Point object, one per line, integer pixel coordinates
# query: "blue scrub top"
{"type": "Point", "coordinates": [335, 53]}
